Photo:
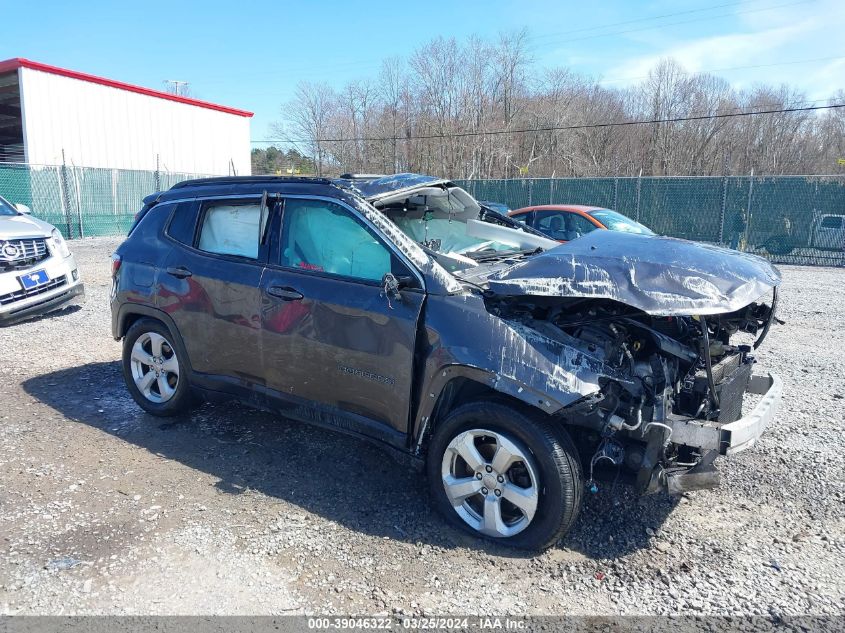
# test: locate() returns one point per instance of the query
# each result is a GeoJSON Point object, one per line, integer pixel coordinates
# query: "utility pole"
{"type": "Point", "coordinates": [639, 188]}
{"type": "Point", "coordinates": [174, 85]}
{"type": "Point", "coordinates": [723, 208]}
{"type": "Point", "coordinates": [66, 196]}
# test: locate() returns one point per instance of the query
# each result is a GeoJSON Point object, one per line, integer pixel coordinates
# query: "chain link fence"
{"type": "Point", "coordinates": [789, 219]}
{"type": "Point", "coordinates": [83, 201]}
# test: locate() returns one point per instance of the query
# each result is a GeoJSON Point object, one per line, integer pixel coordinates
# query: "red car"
{"type": "Point", "coordinates": [565, 222]}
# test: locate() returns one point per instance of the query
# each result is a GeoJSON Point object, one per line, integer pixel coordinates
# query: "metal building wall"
{"type": "Point", "coordinates": [104, 126]}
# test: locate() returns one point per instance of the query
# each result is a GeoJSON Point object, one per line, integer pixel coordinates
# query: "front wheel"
{"type": "Point", "coordinates": [155, 375]}
{"type": "Point", "coordinates": [505, 474]}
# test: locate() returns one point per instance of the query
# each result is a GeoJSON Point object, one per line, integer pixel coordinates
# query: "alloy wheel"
{"type": "Point", "coordinates": [155, 368]}
{"type": "Point", "coordinates": [491, 482]}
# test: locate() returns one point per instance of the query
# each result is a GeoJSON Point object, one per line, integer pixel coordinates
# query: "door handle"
{"type": "Point", "coordinates": [284, 293]}
{"type": "Point", "coordinates": [180, 272]}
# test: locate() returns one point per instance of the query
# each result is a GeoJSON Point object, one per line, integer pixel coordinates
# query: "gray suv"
{"type": "Point", "coordinates": [518, 372]}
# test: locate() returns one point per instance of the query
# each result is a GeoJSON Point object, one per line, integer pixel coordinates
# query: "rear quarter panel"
{"type": "Point", "coordinates": [142, 255]}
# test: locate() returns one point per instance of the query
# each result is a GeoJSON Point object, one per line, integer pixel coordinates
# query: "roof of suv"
{"type": "Point", "coordinates": [247, 185]}
{"type": "Point", "coordinates": [368, 186]}
{"type": "Point", "coordinates": [245, 180]}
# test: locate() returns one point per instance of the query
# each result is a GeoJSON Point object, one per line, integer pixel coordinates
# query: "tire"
{"type": "Point", "coordinates": [550, 468]}
{"type": "Point", "coordinates": [159, 386]}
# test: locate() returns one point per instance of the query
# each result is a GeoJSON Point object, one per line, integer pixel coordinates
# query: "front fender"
{"type": "Point", "coordinates": [465, 340]}
{"type": "Point", "coordinates": [502, 384]}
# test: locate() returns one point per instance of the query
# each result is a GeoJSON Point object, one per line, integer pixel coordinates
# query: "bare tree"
{"type": "Point", "coordinates": [481, 109]}
{"type": "Point", "coordinates": [310, 114]}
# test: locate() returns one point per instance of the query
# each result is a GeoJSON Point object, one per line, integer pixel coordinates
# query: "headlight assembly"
{"type": "Point", "coordinates": [60, 246]}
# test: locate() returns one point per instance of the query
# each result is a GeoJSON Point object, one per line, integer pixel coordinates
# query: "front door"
{"type": "Point", "coordinates": [334, 342]}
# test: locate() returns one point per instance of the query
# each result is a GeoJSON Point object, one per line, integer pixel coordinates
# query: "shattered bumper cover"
{"type": "Point", "coordinates": [714, 438]}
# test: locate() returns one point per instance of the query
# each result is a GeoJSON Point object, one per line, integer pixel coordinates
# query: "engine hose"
{"type": "Point", "coordinates": [770, 319]}
{"type": "Point", "coordinates": [661, 425]}
{"type": "Point", "coordinates": [634, 427]}
{"type": "Point", "coordinates": [708, 362]}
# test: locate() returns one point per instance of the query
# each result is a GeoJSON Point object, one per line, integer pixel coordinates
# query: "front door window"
{"type": "Point", "coordinates": [324, 237]}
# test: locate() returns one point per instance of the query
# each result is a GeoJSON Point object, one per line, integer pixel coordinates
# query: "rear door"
{"type": "Point", "coordinates": [333, 340]}
{"type": "Point", "coordinates": [211, 288]}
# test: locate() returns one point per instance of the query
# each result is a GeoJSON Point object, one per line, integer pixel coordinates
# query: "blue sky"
{"type": "Point", "coordinates": [251, 54]}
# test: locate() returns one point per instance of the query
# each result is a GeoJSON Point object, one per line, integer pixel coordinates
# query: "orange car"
{"type": "Point", "coordinates": [565, 222]}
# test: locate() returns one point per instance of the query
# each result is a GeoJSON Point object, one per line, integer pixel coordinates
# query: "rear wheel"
{"type": "Point", "coordinates": [505, 474]}
{"type": "Point", "coordinates": [153, 371]}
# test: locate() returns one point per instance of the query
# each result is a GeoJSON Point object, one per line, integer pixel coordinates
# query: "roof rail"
{"type": "Point", "coordinates": [245, 180]}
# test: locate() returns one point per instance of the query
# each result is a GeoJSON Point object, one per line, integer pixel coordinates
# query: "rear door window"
{"type": "Point", "coordinates": [183, 223]}
{"type": "Point", "coordinates": [233, 228]}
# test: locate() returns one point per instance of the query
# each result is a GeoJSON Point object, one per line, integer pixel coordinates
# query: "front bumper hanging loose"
{"type": "Point", "coordinates": [712, 438]}
{"type": "Point", "coordinates": [742, 434]}
{"type": "Point", "coordinates": [737, 436]}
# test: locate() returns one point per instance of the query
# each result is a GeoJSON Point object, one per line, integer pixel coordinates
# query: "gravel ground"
{"type": "Point", "coordinates": [107, 510]}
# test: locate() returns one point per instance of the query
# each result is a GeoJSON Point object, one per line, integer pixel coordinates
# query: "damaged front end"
{"type": "Point", "coordinates": [641, 345]}
{"type": "Point", "coordinates": [674, 326]}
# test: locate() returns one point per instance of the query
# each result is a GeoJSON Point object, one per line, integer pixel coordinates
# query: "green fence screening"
{"type": "Point", "coordinates": [790, 219]}
{"type": "Point", "coordinates": [83, 201]}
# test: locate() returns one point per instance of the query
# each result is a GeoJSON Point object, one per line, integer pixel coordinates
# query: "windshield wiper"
{"type": "Point", "coordinates": [472, 284]}
{"type": "Point", "coordinates": [507, 221]}
{"type": "Point", "coordinates": [489, 255]}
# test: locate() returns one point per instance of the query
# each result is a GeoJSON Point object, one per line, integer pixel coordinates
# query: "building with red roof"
{"type": "Point", "coordinates": [51, 115]}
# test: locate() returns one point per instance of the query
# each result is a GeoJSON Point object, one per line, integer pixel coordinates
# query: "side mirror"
{"type": "Point", "coordinates": [406, 281]}
{"type": "Point", "coordinates": [22, 208]}
{"type": "Point", "coordinates": [391, 285]}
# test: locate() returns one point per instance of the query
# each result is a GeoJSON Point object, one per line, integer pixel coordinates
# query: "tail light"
{"type": "Point", "coordinates": [115, 264]}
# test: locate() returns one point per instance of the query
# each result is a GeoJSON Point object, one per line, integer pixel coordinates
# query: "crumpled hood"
{"type": "Point", "coordinates": [18, 226]}
{"type": "Point", "coordinates": [658, 275]}
{"type": "Point", "coordinates": [376, 187]}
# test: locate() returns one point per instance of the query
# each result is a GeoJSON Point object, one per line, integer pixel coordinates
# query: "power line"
{"type": "Point", "coordinates": [321, 68]}
{"type": "Point", "coordinates": [679, 22]}
{"type": "Point", "coordinates": [370, 63]}
{"type": "Point", "coordinates": [685, 73]}
{"type": "Point", "coordinates": [293, 69]}
{"type": "Point", "coordinates": [556, 128]}
{"type": "Point", "coordinates": [645, 19]}
{"type": "Point", "coordinates": [717, 70]}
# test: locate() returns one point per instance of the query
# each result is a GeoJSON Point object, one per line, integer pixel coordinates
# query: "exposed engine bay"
{"type": "Point", "coordinates": [659, 368]}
